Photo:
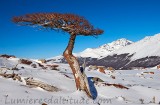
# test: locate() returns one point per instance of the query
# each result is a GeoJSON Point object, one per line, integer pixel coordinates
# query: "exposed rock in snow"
{"type": "Point", "coordinates": [144, 53]}
{"type": "Point", "coordinates": [95, 53]}
{"type": "Point", "coordinates": [15, 92]}
{"type": "Point", "coordinates": [149, 46]}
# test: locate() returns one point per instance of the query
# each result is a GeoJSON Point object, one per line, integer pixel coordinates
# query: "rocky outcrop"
{"type": "Point", "coordinates": [36, 83]}
{"type": "Point", "coordinates": [7, 56]}
{"type": "Point", "coordinates": [25, 61]}
{"type": "Point", "coordinates": [80, 60]}
{"type": "Point", "coordinates": [124, 62]}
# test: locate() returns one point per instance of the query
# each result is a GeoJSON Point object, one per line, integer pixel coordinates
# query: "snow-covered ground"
{"type": "Point", "coordinates": [142, 86]}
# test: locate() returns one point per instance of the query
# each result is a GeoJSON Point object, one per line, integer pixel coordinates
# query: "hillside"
{"type": "Point", "coordinates": [90, 54]}
{"type": "Point", "coordinates": [144, 53]}
{"type": "Point", "coordinates": [105, 49]}
{"type": "Point", "coordinates": [137, 85]}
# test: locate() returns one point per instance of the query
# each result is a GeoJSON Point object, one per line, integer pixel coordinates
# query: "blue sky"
{"type": "Point", "coordinates": [131, 19]}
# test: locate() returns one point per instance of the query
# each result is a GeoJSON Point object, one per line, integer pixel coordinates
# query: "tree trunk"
{"type": "Point", "coordinates": [80, 78]}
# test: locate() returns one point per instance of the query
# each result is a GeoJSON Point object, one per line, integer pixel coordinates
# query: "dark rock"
{"type": "Point", "coordinates": [22, 67]}
{"type": "Point", "coordinates": [24, 61]}
{"type": "Point", "coordinates": [40, 65]}
{"type": "Point", "coordinates": [96, 79]}
{"type": "Point", "coordinates": [15, 68]}
{"type": "Point", "coordinates": [123, 62]}
{"type": "Point", "coordinates": [7, 56]}
{"type": "Point", "coordinates": [34, 65]}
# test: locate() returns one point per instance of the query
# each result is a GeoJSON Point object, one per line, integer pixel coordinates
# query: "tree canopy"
{"type": "Point", "coordinates": [73, 24]}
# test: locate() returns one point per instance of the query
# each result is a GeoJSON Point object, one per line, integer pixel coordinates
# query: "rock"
{"type": "Point", "coordinates": [44, 104]}
{"type": "Point", "coordinates": [93, 67]}
{"type": "Point", "coordinates": [101, 69]}
{"type": "Point", "coordinates": [124, 62]}
{"type": "Point", "coordinates": [22, 67]}
{"type": "Point", "coordinates": [113, 77]}
{"type": "Point", "coordinates": [24, 61]}
{"type": "Point", "coordinates": [34, 65]}
{"type": "Point", "coordinates": [42, 61]}
{"type": "Point", "coordinates": [13, 76]}
{"type": "Point", "coordinates": [148, 72]}
{"type": "Point", "coordinates": [40, 65]}
{"type": "Point", "coordinates": [53, 67]}
{"type": "Point", "coordinates": [7, 56]}
{"type": "Point", "coordinates": [15, 68]}
{"type": "Point", "coordinates": [116, 85]}
{"type": "Point", "coordinates": [110, 68]}
{"type": "Point", "coordinates": [158, 66]}
{"type": "Point", "coordinates": [36, 83]}
{"type": "Point", "coordinates": [96, 79]}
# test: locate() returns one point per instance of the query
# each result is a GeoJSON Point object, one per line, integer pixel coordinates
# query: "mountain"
{"type": "Point", "coordinates": [149, 46]}
{"type": "Point", "coordinates": [144, 53]}
{"type": "Point", "coordinates": [105, 49]}
{"type": "Point", "coordinates": [95, 53]}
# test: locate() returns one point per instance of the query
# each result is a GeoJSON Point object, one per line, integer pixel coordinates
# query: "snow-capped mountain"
{"type": "Point", "coordinates": [98, 52]}
{"type": "Point", "coordinates": [95, 53]}
{"type": "Point", "coordinates": [149, 46]}
{"type": "Point", "coordinates": [144, 53]}
{"type": "Point", "coordinates": [105, 49]}
{"type": "Point", "coordinates": [122, 54]}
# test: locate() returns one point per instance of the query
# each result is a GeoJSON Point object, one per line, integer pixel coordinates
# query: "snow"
{"type": "Point", "coordinates": [105, 49]}
{"type": "Point", "coordinates": [149, 46]}
{"type": "Point", "coordinates": [56, 59]}
{"type": "Point", "coordinates": [99, 52]}
{"type": "Point", "coordinates": [141, 86]}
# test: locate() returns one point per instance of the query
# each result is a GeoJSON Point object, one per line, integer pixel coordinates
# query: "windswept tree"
{"type": "Point", "coordinates": [73, 25]}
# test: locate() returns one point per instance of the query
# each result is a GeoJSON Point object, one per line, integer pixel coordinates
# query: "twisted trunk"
{"type": "Point", "coordinates": [80, 78]}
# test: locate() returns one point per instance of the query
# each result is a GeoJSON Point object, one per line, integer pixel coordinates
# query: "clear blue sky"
{"type": "Point", "coordinates": [131, 19]}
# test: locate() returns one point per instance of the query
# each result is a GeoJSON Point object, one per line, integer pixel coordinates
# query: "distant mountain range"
{"type": "Point", "coordinates": [98, 52]}
{"type": "Point", "coordinates": [122, 54]}
{"type": "Point", "coordinates": [105, 49]}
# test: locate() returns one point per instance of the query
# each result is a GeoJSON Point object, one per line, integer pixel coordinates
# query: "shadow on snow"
{"type": "Point", "coordinates": [92, 88]}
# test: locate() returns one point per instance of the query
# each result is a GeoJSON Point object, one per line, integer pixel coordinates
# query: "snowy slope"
{"type": "Point", "coordinates": [149, 46]}
{"type": "Point", "coordinates": [144, 53]}
{"type": "Point", "coordinates": [141, 86]}
{"type": "Point", "coordinates": [98, 52]}
{"type": "Point", "coordinates": [105, 49]}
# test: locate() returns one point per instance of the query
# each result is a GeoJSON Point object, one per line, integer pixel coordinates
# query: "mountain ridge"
{"type": "Point", "coordinates": [122, 54]}
{"type": "Point", "coordinates": [98, 52]}
{"type": "Point", "coordinates": [104, 49]}
{"type": "Point", "coordinates": [143, 53]}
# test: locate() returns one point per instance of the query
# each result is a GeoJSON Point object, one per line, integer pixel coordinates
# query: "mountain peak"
{"type": "Point", "coordinates": [156, 37]}
{"type": "Point", "coordinates": [122, 41]}
{"type": "Point", "coordinates": [105, 49]}
{"type": "Point", "coordinates": [118, 43]}
{"type": "Point", "coordinates": [148, 46]}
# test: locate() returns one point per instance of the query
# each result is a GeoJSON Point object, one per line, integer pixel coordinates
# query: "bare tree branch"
{"type": "Point", "coordinates": [65, 22]}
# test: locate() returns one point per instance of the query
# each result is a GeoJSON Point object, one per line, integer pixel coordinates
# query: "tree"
{"type": "Point", "coordinates": [70, 23]}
